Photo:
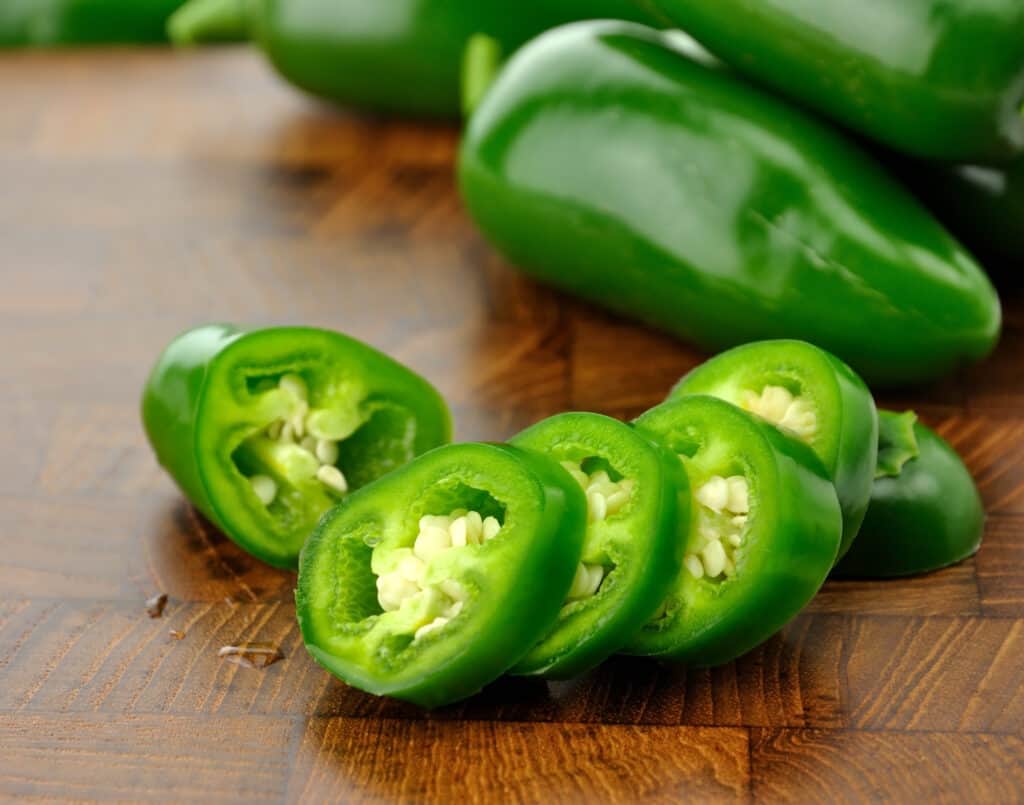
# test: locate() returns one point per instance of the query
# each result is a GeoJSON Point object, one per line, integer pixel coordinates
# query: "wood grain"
{"type": "Point", "coordinates": [145, 192]}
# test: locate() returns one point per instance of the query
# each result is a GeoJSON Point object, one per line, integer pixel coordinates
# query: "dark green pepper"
{"type": "Point", "coordinates": [764, 532]}
{"type": "Point", "coordinates": [932, 78]}
{"type": "Point", "coordinates": [609, 160]}
{"type": "Point", "coordinates": [982, 205]}
{"type": "Point", "coordinates": [433, 581]}
{"type": "Point", "coordinates": [265, 430]}
{"type": "Point", "coordinates": [925, 510]}
{"type": "Point", "coordinates": [811, 395]}
{"type": "Point", "coordinates": [638, 510]}
{"type": "Point", "coordinates": [46, 23]}
{"type": "Point", "coordinates": [399, 56]}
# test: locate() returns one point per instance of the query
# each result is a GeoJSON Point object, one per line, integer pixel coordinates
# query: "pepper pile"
{"type": "Point", "coordinates": [692, 534]}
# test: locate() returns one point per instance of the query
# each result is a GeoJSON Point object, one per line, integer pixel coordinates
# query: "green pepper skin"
{"type": "Point", "coordinates": [925, 510]}
{"type": "Point", "coordinates": [643, 542]}
{"type": "Point", "coordinates": [847, 438]}
{"type": "Point", "coordinates": [793, 538]}
{"type": "Point", "coordinates": [393, 56]}
{"type": "Point", "coordinates": [731, 217]}
{"type": "Point", "coordinates": [48, 23]}
{"type": "Point", "coordinates": [196, 410]}
{"type": "Point", "coordinates": [517, 582]}
{"type": "Point", "coordinates": [982, 205]}
{"type": "Point", "coordinates": [931, 78]}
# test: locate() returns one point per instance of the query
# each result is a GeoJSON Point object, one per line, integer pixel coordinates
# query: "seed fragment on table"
{"type": "Point", "coordinates": [252, 655]}
{"type": "Point", "coordinates": [155, 605]}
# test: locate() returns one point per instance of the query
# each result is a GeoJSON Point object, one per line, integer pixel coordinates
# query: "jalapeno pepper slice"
{"type": "Point", "coordinates": [434, 580]}
{"type": "Point", "coordinates": [637, 512]}
{"type": "Point", "coordinates": [265, 430]}
{"type": "Point", "coordinates": [811, 395]}
{"type": "Point", "coordinates": [764, 531]}
{"type": "Point", "coordinates": [925, 510]}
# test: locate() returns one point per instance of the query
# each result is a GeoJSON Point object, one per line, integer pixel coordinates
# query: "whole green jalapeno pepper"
{"type": "Point", "coordinates": [810, 395]}
{"type": "Point", "coordinates": [401, 56]}
{"type": "Point", "coordinates": [925, 510]}
{"type": "Point", "coordinates": [265, 430]}
{"type": "Point", "coordinates": [932, 78]}
{"type": "Point", "coordinates": [623, 165]}
{"type": "Point", "coordinates": [431, 582]}
{"type": "Point", "coordinates": [47, 23]}
{"type": "Point", "coordinates": [765, 527]}
{"type": "Point", "coordinates": [638, 511]}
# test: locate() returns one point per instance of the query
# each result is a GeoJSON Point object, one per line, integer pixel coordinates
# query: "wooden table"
{"type": "Point", "coordinates": [142, 193]}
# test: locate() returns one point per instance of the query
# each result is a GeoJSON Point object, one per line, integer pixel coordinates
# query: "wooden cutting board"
{"type": "Point", "coordinates": [145, 192]}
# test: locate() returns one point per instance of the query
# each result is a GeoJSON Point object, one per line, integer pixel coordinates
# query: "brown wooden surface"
{"type": "Point", "coordinates": [141, 193]}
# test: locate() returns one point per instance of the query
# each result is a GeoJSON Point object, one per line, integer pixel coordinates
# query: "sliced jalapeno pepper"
{"type": "Point", "coordinates": [265, 430]}
{"type": "Point", "coordinates": [765, 528]}
{"type": "Point", "coordinates": [638, 510]}
{"type": "Point", "coordinates": [434, 580]}
{"type": "Point", "coordinates": [811, 395]}
{"type": "Point", "coordinates": [925, 510]}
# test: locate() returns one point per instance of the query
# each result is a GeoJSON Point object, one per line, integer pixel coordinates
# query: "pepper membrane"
{"type": "Point", "coordinates": [638, 509]}
{"type": "Point", "coordinates": [265, 430]}
{"type": "Point", "coordinates": [812, 396]}
{"type": "Point", "coordinates": [764, 531]}
{"type": "Point", "coordinates": [431, 582]}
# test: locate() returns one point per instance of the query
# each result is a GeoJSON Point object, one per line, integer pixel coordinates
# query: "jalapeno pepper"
{"type": "Point", "coordinates": [41, 23]}
{"type": "Point", "coordinates": [765, 527]}
{"type": "Point", "coordinates": [388, 55]}
{"type": "Point", "coordinates": [811, 395]}
{"type": "Point", "coordinates": [433, 581]}
{"type": "Point", "coordinates": [731, 217]}
{"type": "Point", "coordinates": [925, 510]}
{"type": "Point", "coordinates": [264, 430]}
{"type": "Point", "coordinates": [928, 77]}
{"type": "Point", "coordinates": [638, 509]}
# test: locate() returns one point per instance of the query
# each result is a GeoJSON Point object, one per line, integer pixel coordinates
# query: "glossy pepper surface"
{"type": "Point", "coordinates": [925, 510]}
{"type": "Point", "coordinates": [264, 430]}
{"type": "Point", "coordinates": [931, 78]}
{"type": "Point", "coordinates": [400, 56]}
{"type": "Point", "coordinates": [765, 527]}
{"type": "Point", "coordinates": [638, 505]}
{"type": "Point", "coordinates": [48, 23]}
{"type": "Point", "coordinates": [433, 581]}
{"type": "Point", "coordinates": [608, 161]}
{"type": "Point", "coordinates": [811, 395]}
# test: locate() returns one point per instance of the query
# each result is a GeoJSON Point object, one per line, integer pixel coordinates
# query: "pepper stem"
{"type": "Point", "coordinates": [481, 63]}
{"type": "Point", "coordinates": [897, 442]}
{"type": "Point", "coordinates": [200, 21]}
